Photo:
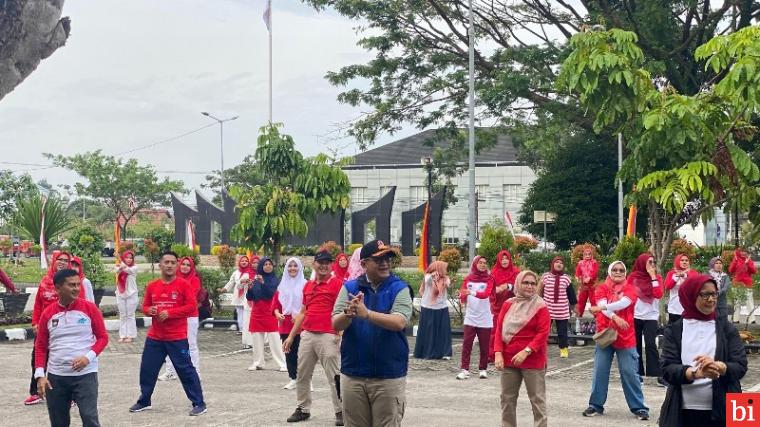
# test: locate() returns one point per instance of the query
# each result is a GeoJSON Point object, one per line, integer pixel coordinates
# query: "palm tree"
{"type": "Point", "coordinates": [28, 217]}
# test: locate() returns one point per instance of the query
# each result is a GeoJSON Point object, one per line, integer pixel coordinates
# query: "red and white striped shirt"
{"type": "Point", "coordinates": [559, 309]}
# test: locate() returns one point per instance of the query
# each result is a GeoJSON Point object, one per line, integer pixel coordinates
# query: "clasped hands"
{"type": "Point", "coordinates": [356, 307]}
{"type": "Point", "coordinates": [708, 368]}
{"type": "Point", "coordinates": [162, 315]}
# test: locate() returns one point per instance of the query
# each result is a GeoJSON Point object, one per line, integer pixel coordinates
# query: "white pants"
{"type": "Point", "coordinates": [247, 337]}
{"type": "Point", "coordinates": [240, 313]}
{"type": "Point", "coordinates": [275, 346]}
{"type": "Point", "coordinates": [192, 340]}
{"type": "Point", "coordinates": [127, 320]}
{"type": "Point", "coordinates": [749, 305]}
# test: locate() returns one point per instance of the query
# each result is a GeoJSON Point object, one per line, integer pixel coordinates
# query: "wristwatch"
{"type": "Point", "coordinates": [528, 350]}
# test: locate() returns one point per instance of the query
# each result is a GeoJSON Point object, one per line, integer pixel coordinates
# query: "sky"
{"type": "Point", "coordinates": [138, 72]}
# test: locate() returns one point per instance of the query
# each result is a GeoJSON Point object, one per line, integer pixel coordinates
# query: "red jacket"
{"type": "Point", "coordinates": [742, 271]}
{"type": "Point", "coordinates": [534, 334]}
{"type": "Point", "coordinates": [5, 280]}
{"type": "Point", "coordinates": [626, 338]}
{"type": "Point", "coordinates": [670, 282]}
{"type": "Point", "coordinates": [178, 299]}
{"type": "Point", "coordinates": [591, 269]}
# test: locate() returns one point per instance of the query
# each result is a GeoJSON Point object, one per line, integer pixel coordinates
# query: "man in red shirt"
{"type": "Point", "coordinates": [169, 301]}
{"type": "Point", "coordinates": [319, 341]}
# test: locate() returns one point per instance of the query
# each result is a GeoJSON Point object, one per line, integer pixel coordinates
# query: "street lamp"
{"type": "Point", "coordinates": [221, 139]}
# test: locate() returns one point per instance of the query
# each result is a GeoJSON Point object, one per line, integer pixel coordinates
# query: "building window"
{"type": "Point", "coordinates": [450, 235]}
{"type": "Point", "coordinates": [358, 194]}
{"type": "Point", "coordinates": [417, 194]}
{"type": "Point", "coordinates": [511, 193]}
{"type": "Point", "coordinates": [482, 190]}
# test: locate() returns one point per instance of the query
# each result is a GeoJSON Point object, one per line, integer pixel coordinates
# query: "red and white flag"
{"type": "Point", "coordinates": [508, 221]}
{"type": "Point", "coordinates": [268, 15]}
{"type": "Point", "coordinates": [43, 244]}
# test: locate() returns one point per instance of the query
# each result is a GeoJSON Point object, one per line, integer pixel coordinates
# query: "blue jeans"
{"type": "Point", "coordinates": [153, 357]}
{"type": "Point", "coordinates": [628, 365]}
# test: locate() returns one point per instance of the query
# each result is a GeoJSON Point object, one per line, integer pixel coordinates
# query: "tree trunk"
{"type": "Point", "coordinates": [30, 31]}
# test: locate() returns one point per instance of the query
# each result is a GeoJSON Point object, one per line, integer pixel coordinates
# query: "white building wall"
{"type": "Point", "coordinates": [411, 191]}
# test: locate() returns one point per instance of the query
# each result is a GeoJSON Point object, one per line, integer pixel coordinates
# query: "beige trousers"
{"type": "Point", "coordinates": [511, 379]}
{"type": "Point", "coordinates": [373, 402]}
{"type": "Point", "coordinates": [325, 349]}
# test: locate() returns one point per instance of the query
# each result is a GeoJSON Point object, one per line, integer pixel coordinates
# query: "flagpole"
{"type": "Point", "coordinates": [269, 7]}
{"type": "Point", "coordinates": [473, 228]}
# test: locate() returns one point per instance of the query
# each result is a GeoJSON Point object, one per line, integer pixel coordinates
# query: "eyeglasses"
{"type": "Point", "coordinates": [618, 270]}
{"type": "Point", "coordinates": [708, 295]}
{"type": "Point", "coordinates": [524, 282]}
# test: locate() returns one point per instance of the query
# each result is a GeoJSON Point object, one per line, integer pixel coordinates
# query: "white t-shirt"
{"type": "Point", "coordinates": [698, 338]}
{"type": "Point", "coordinates": [647, 310]}
{"type": "Point", "coordinates": [427, 298]}
{"type": "Point", "coordinates": [478, 313]}
{"type": "Point", "coordinates": [674, 303]}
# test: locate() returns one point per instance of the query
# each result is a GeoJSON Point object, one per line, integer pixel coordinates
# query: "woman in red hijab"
{"type": "Point", "coordinates": [126, 297]}
{"type": "Point", "coordinates": [187, 272]}
{"type": "Point", "coordinates": [504, 272]}
{"type": "Point", "coordinates": [646, 315]}
{"type": "Point", "coordinates": [680, 272]}
{"type": "Point", "coordinates": [742, 268]}
{"type": "Point", "coordinates": [703, 359]}
{"type": "Point", "coordinates": [476, 289]}
{"type": "Point", "coordinates": [86, 284]}
{"type": "Point", "coordinates": [340, 267]}
{"type": "Point", "coordinates": [558, 293]}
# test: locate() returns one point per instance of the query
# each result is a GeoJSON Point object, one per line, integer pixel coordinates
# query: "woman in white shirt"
{"type": "Point", "coordinates": [238, 285]}
{"type": "Point", "coordinates": [434, 330]}
{"type": "Point", "coordinates": [703, 358]}
{"type": "Point", "coordinates": [126, 297]}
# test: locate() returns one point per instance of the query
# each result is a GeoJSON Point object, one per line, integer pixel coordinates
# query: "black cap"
{"type": "Point", "coordinates": [376, 248]}
{"type": "Point", "coordinates": [323, 255]}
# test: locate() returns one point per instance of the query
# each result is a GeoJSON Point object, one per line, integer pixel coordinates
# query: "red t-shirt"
{"type": "Point", "coordinates": [176, 297]}
{"type": "Point", "coordinates": [47, 296]}
{"type": "Point", "coordinates": [534, 334]}
{"type": "Point", "coordinates": [626, 338]}
{"type": "Point", "coordinates": [319, 300]}
{"type": "Point", "coordinates": [285, 325]}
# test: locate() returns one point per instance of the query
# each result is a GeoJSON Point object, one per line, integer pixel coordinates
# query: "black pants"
{"type": "Point", "coordinates": [561, 332]}
{"type": "Point", "coordinates": [33, 382]}
{"type": "Point", "coordinates": [672, 318]}
{"type": "Point", "coordinates": [82, 389]}
{"type": "Point", "coordinates": [646, 333]}
{"type": "Point", "coordinates": [291, 358]}
{"type": "Point", "coordinates": [694, 418]}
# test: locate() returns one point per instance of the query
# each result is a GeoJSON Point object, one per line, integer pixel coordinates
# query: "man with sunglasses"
{"type": "Point", "coordinates": [373, 311]}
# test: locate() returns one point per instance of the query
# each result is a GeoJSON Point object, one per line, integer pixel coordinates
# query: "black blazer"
{"type": "Point", "coordinates": [729, 349]}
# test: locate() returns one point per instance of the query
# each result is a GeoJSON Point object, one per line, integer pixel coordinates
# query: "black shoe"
{"type": "Point", "coordinates": [339, 419]}
{"type": "Point", "coordinates": [299, 415]}
{"type": "Point", "coordinates": [662, 383]}
{"type": "Point", "coordinates": [591, 412]}
{"type": "Point", "coordinates": [642, 415]}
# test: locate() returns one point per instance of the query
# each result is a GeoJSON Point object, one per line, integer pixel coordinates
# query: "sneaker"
{"type": "Point", "coordinates": [446, 357]}
{"type": "Point", "coordinates": [298, 416]}
{"type": "Point", "coordinates": [233, 328]}
{"type": "Point", "coordinates": [339, 419]}
{"type": "Point", "coordinates": [463, 375]}
{"type": "Point", "coordinates": [642, 415]}
{"type": "Point", "coordinates": [33, 400]}
{"type": "Point", "coordinates": [483, 375]}
{"type": "Point", "coordinates": [255, 367]}
{"type": "Point", "coordinates": [197, 410]}
{"type": "Point", "coordinates": [167, 376]}
{"type": "Point", "coordinates": [564, 353]}
{"type": "Point", "coordinates": [72, 404]}
{"type": "Point", "coordinates": [291, 385]}
{"type": "Point", "coordinates": [662, 383]}
{"type": "Point", "coordinates": [139, 408]}
{"type": "Point", "coordinates": [591, 412]}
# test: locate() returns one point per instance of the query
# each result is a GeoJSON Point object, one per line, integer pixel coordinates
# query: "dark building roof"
{"type": "Point", "coordinates": [409, 151]}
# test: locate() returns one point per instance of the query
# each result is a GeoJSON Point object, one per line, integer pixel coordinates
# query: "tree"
{"type": "Point", "coordinates": [125, 187]}
{"type": "Point", "coordinates": [28, 217]}
{"type": "Point", "coordinates": [683, 149]}
{"type": "Point", "coordinates": [30, 31]}
{"type": "Point", "coordinates": [12, 187]}
{"type": "Point", "coordinates": [576, 182]}
{"type": "Point", "coordinates": [92, 212]}
{"type": "Point", "coordinates": [245, 173]}
{"type": "Point", "coordinates": [293, 191]}
{"type": "Point", "coordinates": [87, 243]}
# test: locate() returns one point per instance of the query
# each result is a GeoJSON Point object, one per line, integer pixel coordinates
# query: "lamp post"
{"type": "Point", "coordinates": [221, 140]}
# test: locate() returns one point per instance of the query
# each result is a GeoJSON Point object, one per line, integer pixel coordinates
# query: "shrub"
{"type": "Point", "coordinates": [495, 237]}
{"type": "Point", "coordinates": [331, 247]}
{"type": "Point", "coordinates": [211, 280]}
{"type": "Point", "coordinates": [628, 250]}
{"type": "Point", "coordinates": [681, 246]}
{"type": "Point", "coordinates": [87, 243]}
{"type": "Point", "coordinates": [452, 257]}
{"type": "Point", "coordinates": [182, 251]}
{"type": "Point", "coordinates": [126, 246]}
{"type": "Point", "coordinates": [162, 237]}
{"type": "Point", "coordinates": [539, 261]}
{"type": "Point", "coordinates": [226, 256]}
{"type": "Point", "coordinates": [151, 251]}
{"type": "Point", "coordinates": [524, 244]}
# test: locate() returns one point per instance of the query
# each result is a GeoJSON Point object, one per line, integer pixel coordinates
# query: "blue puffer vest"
{"type": "Point", "coordinates": [369, 351]}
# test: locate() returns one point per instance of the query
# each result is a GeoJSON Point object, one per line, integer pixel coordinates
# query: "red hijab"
{"type": "Point", "coordinates": [477, 276]}
{"type": "Point", "coordinates": [121, 280]}
{"type": "Point", "coordinates": [246, 270]}
{"type": "Point", "coordinates": [641, 279]}
{"type": "Point", "coordinates": [677, 262]}
{"type": "Point", "coordinates": [78, 261]}
{"type": "Point", "coordinates": [688, 294]}
{"type": "Point", "coordinates": [190, 274]}
{"type": "Point", "coordinates": [340, 272]}
{"type": "Point", "coordinates": [503, 275]}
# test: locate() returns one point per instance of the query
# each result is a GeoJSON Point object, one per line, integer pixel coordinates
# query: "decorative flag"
{"type": "Point", "coordinates": [117, 245]}
{"type": "Point", "coordinates": [249, 254]}
{"type": "Point", "coordinates": [43, 244]}
{"type": "Point", "coordinates": [268, 16]}
{"type": "Point", "coordinates": [424, 243]}
{"type": "Point", "coordinates": [190, 234]}
{"type": "Point", "coordinates": [631, 230]}
{"type": "Point", "coordinates": [508, 221]}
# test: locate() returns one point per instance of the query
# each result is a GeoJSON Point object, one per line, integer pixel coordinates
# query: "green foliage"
{"type": "Point", "coordinates": [28, 217]}
{"type": "Point", "coordinates": [182, 251]}
{"type": "Point", "coordinates": [524, 244]}
{"type": "Point", "coordinates": [115, 182]}
{"type": "Point", "coordinates": [12, 188]}
{"type": "Point", "coordinates": [353, 246]}
{"type": "Point", "coordinates": [629, 249]}
{"type": "Point", "coordinates": [87, 243]}
{"type": "Point", "coordinates": [540, 262]}
{"type": "Point", "coordinates": [453, 258]}
{"type": "Point", "coordinates": [294, 191]}
{"type": "Point", "coordinates": [212, 279]}
{"type": "Point", "coordinates": [494, 237]}
{"type": "Point", "coordinates": [162, 237]}
{"type": "Point", "coordinates": [227, 258]}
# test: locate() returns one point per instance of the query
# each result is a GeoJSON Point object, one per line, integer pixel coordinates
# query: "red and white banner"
{"type": "Point", "coordinates": [43, 244]}
{"type": "Point", "coordinates": [190, 235]}
{"type": "Point", "coordinates": [508, 222]}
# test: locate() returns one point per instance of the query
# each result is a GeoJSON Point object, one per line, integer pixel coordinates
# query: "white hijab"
{"type": "Point", "coordinates": [291, 289]}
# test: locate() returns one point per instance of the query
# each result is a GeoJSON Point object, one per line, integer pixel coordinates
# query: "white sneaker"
{"type": "Point", "coordinates": [483, 375]}
{"type": "Point", "coordinates": [167, 376]}
{"type": "Point", "coordinates": [291, 385]}
{"type": "Point", "coordinates": [463, 375]}
{"type": "Point", "coordinates": [254, 367]}
{"type": "Point", "coordinates": [233, 328]}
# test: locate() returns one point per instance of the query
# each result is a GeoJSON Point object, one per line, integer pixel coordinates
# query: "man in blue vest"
{"type": "Point", "coordinates": [373, 312]}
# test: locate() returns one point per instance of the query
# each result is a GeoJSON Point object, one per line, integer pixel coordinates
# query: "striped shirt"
{"type": "Point", "coordinates": [559, 310]}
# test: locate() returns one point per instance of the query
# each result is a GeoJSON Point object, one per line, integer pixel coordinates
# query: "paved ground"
{"type": "Point", "coordinates": [236, 397]}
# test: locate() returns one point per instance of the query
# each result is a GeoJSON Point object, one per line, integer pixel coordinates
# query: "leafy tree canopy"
{"type": "Point", "coordinates": [13, 186]}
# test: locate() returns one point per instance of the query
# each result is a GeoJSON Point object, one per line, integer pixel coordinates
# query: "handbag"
{"type": "Point", "coordinates": [606, 337]}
